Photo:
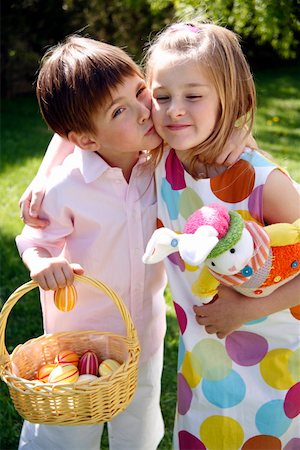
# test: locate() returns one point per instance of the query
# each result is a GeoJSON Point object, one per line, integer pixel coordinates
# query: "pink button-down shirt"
{"type": "Point", "coordinates": [102, 222]}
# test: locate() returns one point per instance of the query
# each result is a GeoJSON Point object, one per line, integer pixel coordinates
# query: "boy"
{"type": "Point", "coordinates": [101, 208]}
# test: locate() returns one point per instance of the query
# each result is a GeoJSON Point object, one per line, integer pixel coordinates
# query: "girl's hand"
{"type": "Point", "coordinates": [30, 204]}
{"type": "Point", "coordinates": [225, 314]}
{"type": "Point", "coordinates": [235, 145]}
{"type": "Point", "coordinates": [55, 272]}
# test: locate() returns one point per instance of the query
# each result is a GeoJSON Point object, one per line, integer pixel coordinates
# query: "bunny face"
{"type": "Point", "coordinates": [234, 259]}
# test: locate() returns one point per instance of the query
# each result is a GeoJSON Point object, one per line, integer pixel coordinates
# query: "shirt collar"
{"type": "Point", "coordinates": [92, 165]}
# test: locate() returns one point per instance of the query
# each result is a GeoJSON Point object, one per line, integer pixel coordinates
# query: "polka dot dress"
{"type": "Point", "coordinates": [242, 392]}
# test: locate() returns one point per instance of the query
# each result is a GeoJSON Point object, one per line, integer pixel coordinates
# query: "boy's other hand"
{"type": "Point", "coordinates": [53, 273]}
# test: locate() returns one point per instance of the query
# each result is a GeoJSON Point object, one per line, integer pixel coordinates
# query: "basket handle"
{"type": "Point", "coordinates": [20, 291]}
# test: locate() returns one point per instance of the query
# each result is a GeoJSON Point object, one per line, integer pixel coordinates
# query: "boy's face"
{"type": "Point", "coordinates": [124, 126]}
{"type": "Point", "coordinates": [185, 105]}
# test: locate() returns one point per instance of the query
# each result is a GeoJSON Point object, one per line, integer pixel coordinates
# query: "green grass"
{"type": "Point", "coordinates": [23, 140]}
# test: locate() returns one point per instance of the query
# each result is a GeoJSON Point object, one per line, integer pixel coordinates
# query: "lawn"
{"type": "Point", "coordinates": [23, 140]}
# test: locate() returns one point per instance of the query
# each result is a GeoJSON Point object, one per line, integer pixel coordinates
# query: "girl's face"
{"type": "Point", "coordinates": [185, 102]}
{"type": "Point", "coordinates": [124, 126]}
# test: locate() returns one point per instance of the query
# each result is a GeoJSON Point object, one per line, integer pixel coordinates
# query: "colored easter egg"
{"type": "Point", "coordinates": [86, 378]}
{"type": "Point", "coordinates": [44, 372]}
{"type": "Point", "coordinates": [65, 373]}
{"type": "Point", "coordinates": [108, 366]}
{"type": "Point", "coordinates": [65, 298]}
{"type": "Point", "coordinates": [67, 357]}
{"type": "Point", "coordinates": [88, 363]}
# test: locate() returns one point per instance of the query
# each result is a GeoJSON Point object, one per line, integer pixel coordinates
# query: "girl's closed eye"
{"type": "Point", "coordinates": [194, 97]}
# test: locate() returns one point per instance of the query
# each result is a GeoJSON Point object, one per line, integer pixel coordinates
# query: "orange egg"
{"type": "Point", "coordinates": [44, 372]}
{"type": "Point", "coordinates": [65, 298]}
{"type": "Point", "coordinates": [67, 357]}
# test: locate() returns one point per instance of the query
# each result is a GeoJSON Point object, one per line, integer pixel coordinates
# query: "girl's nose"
{"type": "Point", "coordinates": [175, 109]}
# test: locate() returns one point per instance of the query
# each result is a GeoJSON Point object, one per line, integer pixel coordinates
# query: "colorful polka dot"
{"type": "Point", "coordinates": [294, 364]}
{"type": "Point", "coordinates": [170, 198]}
{"type": "Point", "coordinates": [174, 171]}
{"type": "Point", "coordinates": [262, 442]}
{"type": "Point", "coordinates": [225, 393]}
{"type": "Point", "coordinates": [235, 184]}
{"type": "Point", "coordinates": [189, 202]}
{"type": "Point", "coordinates": [184, 395]}
{"type": "Point", "coordinates": [218, 432]}
{"type": "Point", "coordinates": [176, 259]}
{"type": "Point", "coordinates": [292, 401]}
{"type": "Point", "coordinates": [181, 352]}
{"type": "Point", "coordinates": [246, 348]}
{"type": "Point", "coordinates": [192, 378]}
{"type": "Point", "coordinates": [274, 369]}
{"type": "Point", "coordinates": [210, 360]}
{"type": "Point", "coordinates": [293, 444]}
{"type": "Point", "coordinates": [181, 317]}
{"type": "Point", "coordinates": [188, 441]}
{"type": "Point", "coordinates": [295, 311]}
{"type": "Point", "coordinates": [255, 203]}
{"type": "Point", "coordinates": [271, 419]}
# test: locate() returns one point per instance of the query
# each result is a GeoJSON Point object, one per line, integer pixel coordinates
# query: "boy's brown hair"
{"type": "Point", "coordinates": [76, 78]}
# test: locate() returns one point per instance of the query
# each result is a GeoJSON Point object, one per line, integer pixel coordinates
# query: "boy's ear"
{"type": "Point", "coordinates": [83, 141]}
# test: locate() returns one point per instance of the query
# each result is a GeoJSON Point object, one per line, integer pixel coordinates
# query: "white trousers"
{"type": "Point", "coordinates": [139, 427]}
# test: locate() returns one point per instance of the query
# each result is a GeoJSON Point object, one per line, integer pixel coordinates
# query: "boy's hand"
{"type": "Point", "coordinates": [30, 204]}
{"type": "Point", "coordinates": [235, 146]}
{"type": "Point", "coordinates": [55, 272]}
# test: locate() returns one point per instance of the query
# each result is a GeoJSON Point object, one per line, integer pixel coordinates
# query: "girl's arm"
{"type": "Point", "coordinates": [231, 310]}
{"type": "Point", "coordinates": [31, 199]}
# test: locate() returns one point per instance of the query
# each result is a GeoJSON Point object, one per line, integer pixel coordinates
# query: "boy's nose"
{"type": "Point", "coordinates": [144, 112]}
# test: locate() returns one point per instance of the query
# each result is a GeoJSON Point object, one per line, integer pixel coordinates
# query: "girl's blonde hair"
{"type": "Point", "coordinates": [218, 51]}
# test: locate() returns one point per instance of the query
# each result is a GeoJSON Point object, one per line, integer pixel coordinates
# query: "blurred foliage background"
{"type": "Point", "coordinates": [270, 29]}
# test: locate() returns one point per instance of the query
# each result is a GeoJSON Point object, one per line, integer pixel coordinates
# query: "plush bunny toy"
{"type": "Point", "coordinates": [254, 260]}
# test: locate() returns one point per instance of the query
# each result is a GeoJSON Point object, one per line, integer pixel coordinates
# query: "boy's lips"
{"type": "Point", "coordinates": [150, 131]}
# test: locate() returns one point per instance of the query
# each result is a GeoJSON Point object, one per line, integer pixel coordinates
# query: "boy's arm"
{"type": "Point", "coordinates": [234, 147]}
{"type": "Point", "coordinates": [31, 199]}
{"type": "Point", "coordinates": [49, 272]}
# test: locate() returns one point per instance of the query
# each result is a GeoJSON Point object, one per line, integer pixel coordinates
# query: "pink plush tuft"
{"type": "Point", "coordinates": [214, 215]}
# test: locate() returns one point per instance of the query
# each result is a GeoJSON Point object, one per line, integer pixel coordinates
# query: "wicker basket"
{"type": "Point", "coordinates": [70, 404]}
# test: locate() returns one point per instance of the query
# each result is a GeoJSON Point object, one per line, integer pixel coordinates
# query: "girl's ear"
{"type": "Point", "coordinates": [83, 141]}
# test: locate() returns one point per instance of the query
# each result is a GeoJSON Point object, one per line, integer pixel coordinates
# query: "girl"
{"type": "Point", "coordinates": [240, 392]}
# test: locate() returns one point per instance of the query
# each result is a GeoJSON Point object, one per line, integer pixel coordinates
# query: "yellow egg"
{"type": "Point", "coordinates": [108, 366]}
{"type": "Point", "coordinates": [65, 373]}
{"type": "Point", "coordinates": [65, 298]}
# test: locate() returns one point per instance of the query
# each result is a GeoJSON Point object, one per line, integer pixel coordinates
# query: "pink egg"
{"type": "Point", "coordinates": [88, 363]}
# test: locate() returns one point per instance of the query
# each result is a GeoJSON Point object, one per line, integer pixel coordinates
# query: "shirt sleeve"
{"type": "Point", "coordinates": [52, 238]}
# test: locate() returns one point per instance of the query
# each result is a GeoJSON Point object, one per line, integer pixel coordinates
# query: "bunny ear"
{"type": "Point", "coordinates": [194, 248]}
{"type": "Point", "coordinates": [162, 243]}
